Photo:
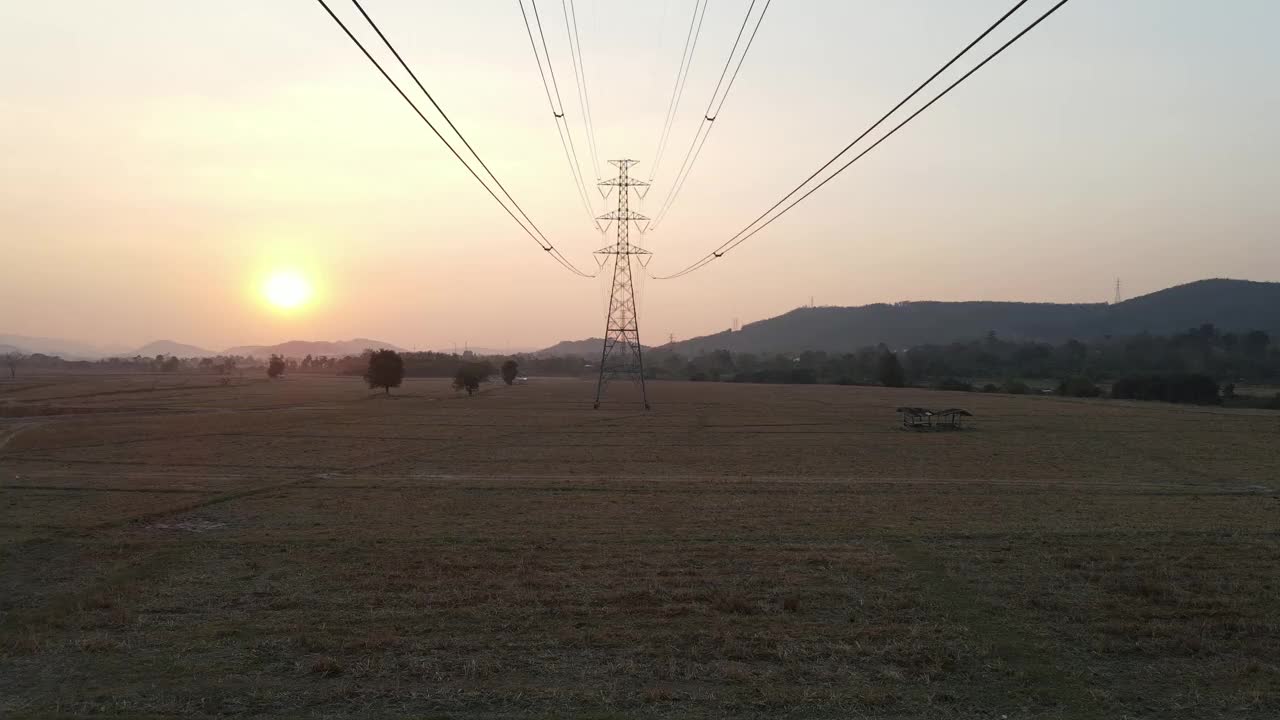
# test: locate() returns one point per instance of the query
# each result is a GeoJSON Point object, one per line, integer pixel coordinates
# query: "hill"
{"type": "Point", "coordinates": [588, 348]}
{"type": "Point", "coordinates": [302, 348]}
{"type": "Point", "coordinates": [1231, 305]}
{"type": "Point", "coordinates": [69, 349]}
{"type": "Point", "coordinates": [169, 347]}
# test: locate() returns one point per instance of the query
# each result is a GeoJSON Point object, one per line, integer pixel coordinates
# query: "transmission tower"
{"type": "Point", "coordinates": [1118, 298]}
{"type": "Point", "coordinates": [621, 354]}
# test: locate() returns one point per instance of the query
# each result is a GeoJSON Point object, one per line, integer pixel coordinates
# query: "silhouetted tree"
{"type": "Point", "coordinates": [275, 367]}
{"type": "Point", "coordinates": [1182, 388]}
{"type": "Point", "coordinates": [11, 360]}
{"type": "Point", "coordinates": [1078, 387]}
{"type": "Point", "coordinates": [468, 378]}
{"type": "Point", "coordinates": [890, 370]}
{"type": "Point", "coordinates": [509, 371]}
{"type": "Point", "coordinates": [386, 370]}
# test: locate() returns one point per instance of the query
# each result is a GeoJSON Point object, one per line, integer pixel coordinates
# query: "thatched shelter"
{"type": "Point", "coordinates": [916, 418]}
{"type": "Point", "coordinates": [953, 418]}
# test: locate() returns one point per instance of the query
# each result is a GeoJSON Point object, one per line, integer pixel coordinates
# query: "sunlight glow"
{"type": "Point", "coordinates": [286, 290]}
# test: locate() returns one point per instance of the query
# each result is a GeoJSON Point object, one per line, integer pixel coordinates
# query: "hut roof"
{"type": "Point", "coordinates": [915, 410]}
{"type": "Point", "coordinates": [956, 411]}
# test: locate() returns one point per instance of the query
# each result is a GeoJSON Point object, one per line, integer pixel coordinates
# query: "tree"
{"type": "Point", "coordinates": [470, 375]}
{"type": "Point", "coordinates": [386, 370]}
{"type": "Point", "coordinates": [509, 371]}
{"type": "Point", "coordinates": [11, 360]}
{"type": "Point", "coordinates": [275, 367]}
{"type": "Point", "coordinates": [890, 370]}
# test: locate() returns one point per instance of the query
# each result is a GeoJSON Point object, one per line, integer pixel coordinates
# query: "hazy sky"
{"type": "Point", "coordinates": [161, 158]}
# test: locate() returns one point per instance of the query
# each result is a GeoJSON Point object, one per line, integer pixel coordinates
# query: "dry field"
{"type": "Point", "coordinates": [171, 546]}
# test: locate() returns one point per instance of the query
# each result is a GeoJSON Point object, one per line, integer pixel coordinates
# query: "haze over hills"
{"type": "Point", "coordinates": [1231, 305]}
{"type": "Point", "coordinates": [302, 348]}
{"type": "Point", "coordinates": [69, 349]}
{"type": "Point", "coordinates": [581, 348]}
{"type": "Point", "coordinates": [169, 347]}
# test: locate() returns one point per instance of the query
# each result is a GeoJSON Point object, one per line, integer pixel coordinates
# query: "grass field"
{"type": "Point", "coordinates": [173, 546]}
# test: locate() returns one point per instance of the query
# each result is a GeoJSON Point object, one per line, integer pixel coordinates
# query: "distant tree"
{"type": "Point", "coordinates": [468, 378]}
{"type": "Point", "coordinates": [171, 364]}
{"type": "Point", "coordinates": [275, 367]}
{"type": "Point", "coordinates": [11, 360]}
{"type": "Point", "coordinates": [1078, 387]}
{"type": "Point", "coordinates": [1255, 343]}
{"type": "Point", "coordinates": [509, 371]}
{"type": "Point", "coordinates": [1193, 388]}
{"type": "Point", "coordinates": [1016, 387]}
{"type": "Point", "coordinates": [890, 370]}
{"type": "Point", "coordinates": [386, 370]}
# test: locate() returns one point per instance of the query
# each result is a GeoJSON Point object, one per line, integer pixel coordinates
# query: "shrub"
{"type": "Point", "coordinates": [509, 371]}
{"type": "Point", "coordinates": [990, 388]}
{"type": "Point", "coordinates": [953, 384]}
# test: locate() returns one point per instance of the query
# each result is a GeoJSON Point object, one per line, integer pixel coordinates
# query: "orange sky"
{"type": "Point", "coordinates": [161, 158]}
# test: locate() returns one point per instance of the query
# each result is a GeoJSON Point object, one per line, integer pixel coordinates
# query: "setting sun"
{"type": "Point", "coordinates": [286, 290]}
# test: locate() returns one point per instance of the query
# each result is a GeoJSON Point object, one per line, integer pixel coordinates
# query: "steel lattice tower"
{"type": "Point", "coordinates": [621, 356]}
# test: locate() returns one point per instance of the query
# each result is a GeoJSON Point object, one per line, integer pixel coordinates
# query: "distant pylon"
{"type": "Point", "coordinates": [1117, 300]}
{"type": "Point", "coordinates": [621, 356]}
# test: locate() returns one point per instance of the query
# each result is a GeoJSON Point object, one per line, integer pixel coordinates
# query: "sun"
{"type": "Point", "coordinates": [286, 290]}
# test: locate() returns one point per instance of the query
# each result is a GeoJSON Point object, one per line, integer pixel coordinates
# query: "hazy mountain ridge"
{"type": "Point", "coordinates": [588, 348]}
{"type": "Point", "coordinates": [315, 348]}
{"type": "Point", "coordinates": [171, 347]}
{"type": "Point", "coordinates": [1231, 305]}
{"type": "Point", "coordinates": [69, 349]}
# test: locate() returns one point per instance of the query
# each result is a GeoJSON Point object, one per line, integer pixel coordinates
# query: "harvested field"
{"type": "Point", "coordinates": [174, 546]}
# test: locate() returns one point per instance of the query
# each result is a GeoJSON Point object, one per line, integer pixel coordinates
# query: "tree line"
{"type": "Point", "coordinates": [1181, 367]}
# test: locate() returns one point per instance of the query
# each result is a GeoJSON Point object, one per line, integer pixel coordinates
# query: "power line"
{"type": "Point", "coordinates": [580, 77]}
{"type": "Point", "coordinates": [444, 115]}
{"type": "Point", "coordinates": [682, 75]}
{"type": "Point", "coordinates": [557, 107]}
{"type": "Point", "coordinates": [709, 117]}
{"type": "Point", "coordinates": [744, 235]}
{"type": "Point", "coordinates": [541, 241]}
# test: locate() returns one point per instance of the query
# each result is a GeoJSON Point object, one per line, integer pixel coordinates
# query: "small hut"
{"type": "Point", "coordinates": [952, 418]}
{"type": "Point", "coordinates": [916, 418]}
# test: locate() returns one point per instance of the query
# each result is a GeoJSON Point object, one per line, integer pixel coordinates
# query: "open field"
{"type": "Point", "coordinates": [173, 546]}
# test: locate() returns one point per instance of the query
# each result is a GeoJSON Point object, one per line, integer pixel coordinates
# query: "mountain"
{"type": "Point", "coordinates": [1231, 305]}
{"type": "Point", "coordinates": [588, 348]}
{"type": "Point", "coordinates": [69, 349]}
{"type": "Point", "coordinates": [169, 347]}
{"type": "Point", "coordinates": [302, 348]}
{"type": "Point", "coordinates": [580, 348]}
{"type": "Point", "coordinates": [483, 350]}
